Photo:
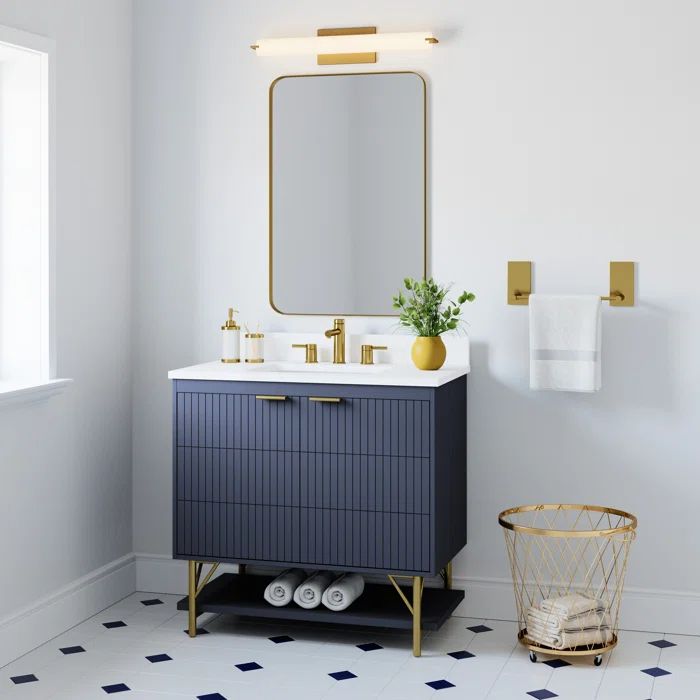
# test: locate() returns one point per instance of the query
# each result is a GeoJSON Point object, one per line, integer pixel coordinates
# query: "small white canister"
{"type": "Point", "coordinates": [255, 347]}
{"type": "Point", "coordinates": [230, 340]}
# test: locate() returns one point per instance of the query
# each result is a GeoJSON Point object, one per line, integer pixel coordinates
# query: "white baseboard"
{"type": "Point", "coordinates": [490, 598]}
{"type": "Point", "coordinates": [44, 619]}
{"type": "Point", "coordinates": [160, 573]}
{"type": "Point", "coordinates": [651, 610]}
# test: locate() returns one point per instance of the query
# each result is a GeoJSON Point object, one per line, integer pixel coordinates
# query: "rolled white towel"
{"type": "Point", "coordinates": [280, 591]}
{"type": "Point", "coordinates": [343, 591]}
{"type": "Point", "coordinates": [308, 594]}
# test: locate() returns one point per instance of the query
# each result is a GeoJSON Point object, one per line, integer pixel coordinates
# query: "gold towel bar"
{"type": "Point", "coordinates": [615, 296]}
{"type": "Point", "coordinates": [621, 283]}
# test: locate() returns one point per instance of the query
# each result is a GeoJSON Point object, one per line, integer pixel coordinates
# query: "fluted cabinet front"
{"type": "Point", "coordinates": [353, 484]}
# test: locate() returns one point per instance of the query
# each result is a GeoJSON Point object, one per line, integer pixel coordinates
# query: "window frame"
{"type": "Point", "coordinates": [48, 384]}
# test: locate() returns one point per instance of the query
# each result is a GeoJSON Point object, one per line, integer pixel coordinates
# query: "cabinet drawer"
{"type": "Point", "coordinates": [365, 482]}
{"type": "Point", "coordinates": [306, 536]}
{"type": "Point", "coordinates": [255, 477]}
{"type": "Point", "coordinates": [266, 477]}
{"type": "Point", "coordinates": [354, 539]}
{"type": "Point", "coordinates": [367, 426]}
{"type": "Point", "coordinates": [386, 427]}
{"type": "Point", "coordinates": [237, 531]}
{"type": "Point", "coordinates": [241, 421]}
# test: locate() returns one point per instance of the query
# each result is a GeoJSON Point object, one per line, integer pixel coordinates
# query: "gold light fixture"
{"type": "Point", "coordinates": [345, 45]}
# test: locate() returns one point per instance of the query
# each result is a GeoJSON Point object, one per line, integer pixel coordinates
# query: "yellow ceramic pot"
{"type": "Point", "coordinates": [428, 353]}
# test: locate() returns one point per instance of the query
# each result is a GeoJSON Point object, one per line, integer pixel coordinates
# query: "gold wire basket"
{"type": "Point", "coordinates": [568, 564]}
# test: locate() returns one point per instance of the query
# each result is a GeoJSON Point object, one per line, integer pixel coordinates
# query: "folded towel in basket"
{"type": "Point", "coordinates": [280, 591]}
{"type": "Point", "coordinates": [343, 591]}
{"type": "Point", "coordinates": [569, 621]}
{"type": "Point", "coordinates": [308, 594]}
{"type": "Point", "coordinates": [568, 640]}
{"type": "Point", "coordinates": [573, 623]}
{"type": "Point", "coordinates": [571, 604]}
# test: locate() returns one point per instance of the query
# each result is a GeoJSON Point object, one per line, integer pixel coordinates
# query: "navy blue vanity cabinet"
{"type": "Point", "coordinates": [369, 479]}
{"type": "Point", "coordinates": [375, 481]}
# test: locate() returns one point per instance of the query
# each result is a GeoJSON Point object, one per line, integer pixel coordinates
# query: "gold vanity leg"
{"type": "Point", "coordinates": [417, 596]}
{"type": "Point", "coordinates": [448, 575]}
{"type": "Point", "coordinates": [192, 599]}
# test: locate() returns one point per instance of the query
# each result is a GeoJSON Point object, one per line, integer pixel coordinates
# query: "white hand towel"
{"type": "Point", "coordinates": [343, 591]}
{"type": "Point", "coordinates": [280, 591]}
{"type": "Point", "coordinates": [308, 594]}
{"type": "Point", "coordinates": [565, 342]}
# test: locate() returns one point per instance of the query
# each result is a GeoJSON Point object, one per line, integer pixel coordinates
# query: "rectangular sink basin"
{"type": "Point", "coordinates": [318, 368]}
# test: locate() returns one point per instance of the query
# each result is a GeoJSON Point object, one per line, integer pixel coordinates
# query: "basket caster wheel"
{"type": "Point", "coordinates": [533, 657]}
{"type": "Point", "coordinates": [597, 660]}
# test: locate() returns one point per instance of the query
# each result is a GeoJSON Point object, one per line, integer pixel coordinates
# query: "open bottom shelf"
{"type": "Point", "coordinates": [379, 605]}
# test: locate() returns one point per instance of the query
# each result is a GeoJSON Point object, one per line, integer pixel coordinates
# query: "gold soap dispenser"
{"type": "Point", "coordinates": [231, 339]}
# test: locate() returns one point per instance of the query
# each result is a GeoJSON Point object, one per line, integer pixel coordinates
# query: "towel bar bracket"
{"type": "Point", "coordinates": [621, 283]}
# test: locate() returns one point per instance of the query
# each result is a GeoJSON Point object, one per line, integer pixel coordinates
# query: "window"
{"type": "Point", "coordinates": [26, 354]}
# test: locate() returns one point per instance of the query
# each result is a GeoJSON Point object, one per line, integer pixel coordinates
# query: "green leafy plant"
{"type": "Point", "coordinates": [427, 310]}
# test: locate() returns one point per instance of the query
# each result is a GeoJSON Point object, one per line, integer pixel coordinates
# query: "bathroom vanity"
{"type": "Point", "coordinates": [339, 467]}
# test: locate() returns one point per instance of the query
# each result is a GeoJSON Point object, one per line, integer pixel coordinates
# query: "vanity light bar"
{"type": "Point", "coordinates": [345, 44]}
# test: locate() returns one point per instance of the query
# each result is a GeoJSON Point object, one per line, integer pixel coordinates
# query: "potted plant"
{"type": "Point", "coordinates": [428, 312]}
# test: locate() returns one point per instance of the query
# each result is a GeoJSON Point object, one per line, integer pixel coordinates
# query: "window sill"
{"type": "Point", "coordinates": [12, 393]}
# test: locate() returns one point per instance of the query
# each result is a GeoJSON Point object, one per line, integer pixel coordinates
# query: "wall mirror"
{"type": "Point", "coordinates": [347, 191]}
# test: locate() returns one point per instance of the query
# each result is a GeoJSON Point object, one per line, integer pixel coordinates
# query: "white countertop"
{"type": "Point", "coordinates": [321, 373]}
{"type": "Point", "coordinates": [393, 367]}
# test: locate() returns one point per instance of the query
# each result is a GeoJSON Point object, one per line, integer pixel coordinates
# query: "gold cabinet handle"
{"type": "Point", "coordinates": [325, 399]}
{"type": "Point", "coordinates": [267, 397]}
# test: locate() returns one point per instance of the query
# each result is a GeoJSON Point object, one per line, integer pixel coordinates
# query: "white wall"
{"type": "Point", "coordinates": [561, 131]}
{"type": "Point", "coordinates": [65, 501]}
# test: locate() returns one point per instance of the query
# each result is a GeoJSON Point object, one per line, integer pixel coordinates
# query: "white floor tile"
{"type": "Point", "coordinates": [499, 670]}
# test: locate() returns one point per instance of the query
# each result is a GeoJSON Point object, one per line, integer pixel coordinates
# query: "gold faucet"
{"type": "Point", "coordinates": [338, 335]}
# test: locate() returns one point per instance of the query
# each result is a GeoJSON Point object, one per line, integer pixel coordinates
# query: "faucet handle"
{"type": "Point", "coordinates": [367, 357]}
{"type": "Point", "coordinates": [311, 351]}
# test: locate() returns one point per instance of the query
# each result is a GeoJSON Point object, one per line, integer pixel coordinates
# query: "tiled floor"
{"type": "Point", "coordinates": [138, 647]}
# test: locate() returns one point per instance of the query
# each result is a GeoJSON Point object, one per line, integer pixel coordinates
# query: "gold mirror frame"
{"type": "Point", "coordinates": [425, 183]}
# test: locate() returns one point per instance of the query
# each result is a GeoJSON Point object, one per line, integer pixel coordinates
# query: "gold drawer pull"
{"type": "Point", "coordinates": [325, 399]}
{"type": "Point", "coordinates": [266, 397]}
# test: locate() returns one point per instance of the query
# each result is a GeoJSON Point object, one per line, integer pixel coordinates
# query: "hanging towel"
{"type": "Point", "coordinates": [308, 594]}
{"type": "Point", "coordinates": [343, 591]}
{"type": "Point", "coordinates": [280, 591]}
{"type": "Point", "coordinates": [565, 341]}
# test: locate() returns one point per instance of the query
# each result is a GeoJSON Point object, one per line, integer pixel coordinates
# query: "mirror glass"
{"type": "Point", "coordinates": [347, 197]}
